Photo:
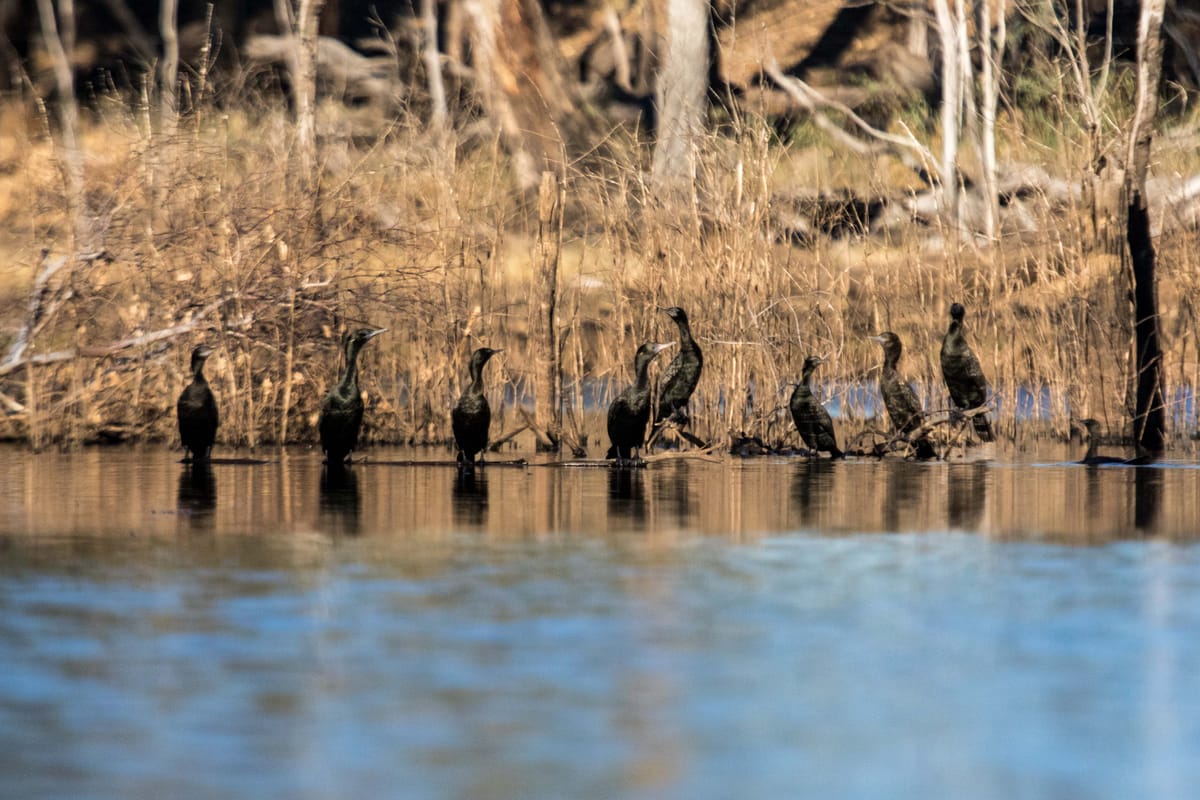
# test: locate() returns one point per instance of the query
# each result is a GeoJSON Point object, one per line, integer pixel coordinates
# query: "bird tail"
{"type": "Point", "coordinates": [983, 428]}
{"type": "Point", "coordinates": [925, 450]}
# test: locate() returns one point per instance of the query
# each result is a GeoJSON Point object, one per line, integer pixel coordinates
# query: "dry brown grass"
{"type": "Point", "coordinates": [427, 239]}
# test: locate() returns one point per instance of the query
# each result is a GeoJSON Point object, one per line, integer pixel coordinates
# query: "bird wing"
{"type": "Point", "coordinates": [902, 405]}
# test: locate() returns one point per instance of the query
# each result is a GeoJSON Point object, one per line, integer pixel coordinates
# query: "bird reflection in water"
{"type": "Point", "coordinates": [1147, 497]}
{"type": "Point", "coordinates": [197, 498]}
{"type": "Point", "coordinates": [469, 499]}
{"type": "Point", "coordinates": [966, 495]}
{"type": "Point", "coordinates": [340, 502]}
{"type": "Point", "coordinates": [627, 494]}
{"type": "Point", "coordinates": [812, 484]}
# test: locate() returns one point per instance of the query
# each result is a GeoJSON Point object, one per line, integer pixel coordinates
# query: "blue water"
{"type": "Point", "coordinates": [626, 647]}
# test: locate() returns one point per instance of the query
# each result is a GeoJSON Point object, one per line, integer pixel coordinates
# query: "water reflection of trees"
{"type": "Point", "coordinates": [1147, 497]}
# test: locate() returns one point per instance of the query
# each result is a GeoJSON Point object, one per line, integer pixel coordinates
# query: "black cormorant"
{"type": "Point", "coordinates": [898, 396]}
{"type": "Point", "coordinates": [812, 420]}
{"type": "Point", "coordinates": [197, 410]}
{"type": "Point", "coordinates": [1092, 427]}
{"type": "Point", "coordinates": [680, 377]}
{"type": "Point", "coordinates": [342, 411]}
{"type": "Point", "coordinates": [472, 416]}
{"type": "Point", "coordinates": [962, 373]}
{"type": "Point", "coordinates": [629, 413]}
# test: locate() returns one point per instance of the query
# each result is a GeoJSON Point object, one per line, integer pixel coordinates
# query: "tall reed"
{"type": "Point", "coordinates": [424, 235]}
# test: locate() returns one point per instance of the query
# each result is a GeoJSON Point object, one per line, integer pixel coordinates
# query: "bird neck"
{"type": "Point", "coordinates": [806, 377]}
{"type": "Point", "coordinates": [685, 335]}
{"type": "Point", "coordinates": [955, 330]}
{"type": "Point", "coordinates": [891, 359]}
{"type": "Point", "coordinates": [198, 370]}
{"type": "Point", "coordinates": [350, 376]}
{"type": "Point", "coordinates": [1091, 447]}
{"type": "Point", "coordinates": [476, 372]}
{"type": "Point", "coordinates": [642, 374]}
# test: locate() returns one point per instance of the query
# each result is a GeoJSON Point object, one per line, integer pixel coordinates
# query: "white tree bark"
{"type": "Point", "coordinates": [1141, 131]}
{"type": "Point", "coordinates": [947, 28]}
{"type": "Point", "coordinates": [169, 69]}
{"type": "Point", "coordinates": [991, 47]}
{"type": "Point", "coordinates": [681, 91]}
{"type": "Point", "coordinates": [58, 44]}
{"type": "Point", "coordinates": [433, 65]}
{"type": "Point", "coordinates": [302, 71]}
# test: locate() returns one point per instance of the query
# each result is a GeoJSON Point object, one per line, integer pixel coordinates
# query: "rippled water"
{"type": "Point", "coordinates": [771, 628]}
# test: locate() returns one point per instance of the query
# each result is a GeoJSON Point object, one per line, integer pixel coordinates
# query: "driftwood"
{"type": "Point", "coordinates": [337, 64]}
{"type": "Point", "coordinates": [100, 351]}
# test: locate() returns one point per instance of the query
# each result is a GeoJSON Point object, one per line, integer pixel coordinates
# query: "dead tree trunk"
{"type": "Point", "coordinates": [1149, 420]}
{"type": "Point", "coordinates": [522, 84]}
{"type": "Point", "coordinates": [169, 68]}
{"type": "Point", "coordinates": [947, 28]}
{"type": "Point", "coordinates": [542, 327]}
{"type": "Point", "coordinates": [991, 46]}
{"type": "Point", "coordinates": [432, 58]}
{"type": "Point", "coordinates": [60, 44]}
{"type": "Point", "coordinates": [681, 91]}
{"type": "Point", "coordinates": [300, 27]}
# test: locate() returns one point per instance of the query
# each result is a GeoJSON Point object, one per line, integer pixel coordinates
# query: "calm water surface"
{"type": "Point", "coordinates": [771, 628]}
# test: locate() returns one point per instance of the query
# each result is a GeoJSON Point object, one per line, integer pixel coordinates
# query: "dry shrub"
{"type": "Point", "coordinates": [425, 237]}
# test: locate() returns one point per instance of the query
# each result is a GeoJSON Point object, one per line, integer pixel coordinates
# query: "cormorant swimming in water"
{"type": "Point", "coordinates": [680, 377]}
{"type": "Point", "coordinates": [812, 420]}
{"type": "Point", "coordinates": [342, 411]}
{"type": "Point", "coordinates": [898, 396]}
{"type": "Point", "coordinates": [472, 415]}
{"type": "Point", "coordinates": [197, 410]}
{"type": "Point", "coordinates": [962, 373]}
{"type": "Point", "coordinates": [629, 413]}
{"type": "Point", "coordinates": [1093, 438]}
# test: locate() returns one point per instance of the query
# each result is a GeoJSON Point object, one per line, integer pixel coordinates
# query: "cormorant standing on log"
{"type": "Point", "coordinates": [898, 396]}
{"type": "Point", "coordinates": [962, 373]}
{"type": "Point", "coordinates": [682, 374]}
{"type": "Point", "coordinates": [1093, 439]}
{"type": "Point", "coordinates": [472, 416]}
{"type": "Point", "coordinates": [197, 410]}
{"type": "Point", "coordinates": [812, 420]}
{"type": "Point", "coordinates": [342, 411]}
{"type": "Point", "coordinates": [630, 412]}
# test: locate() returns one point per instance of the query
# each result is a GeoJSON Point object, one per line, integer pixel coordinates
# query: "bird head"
{"type": "Point", "coordinates": [484, 353]}
{"type": "Point", "coordinates": [957, 312]}
{"type": "Point", "coordinates": [648, 351]}
{"type": "Point", "coordinates": [364, 335]}
{"type": "Point", "coordinates": [676, 313]}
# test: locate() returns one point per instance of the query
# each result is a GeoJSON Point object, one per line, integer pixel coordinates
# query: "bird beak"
{"type": "Point", "coordinates": [207, 351]}
{"type": "Point", "coordinates": [658, 348]}
{"type": "Point", "coordinates": [376, 332]}
{"type": "Point", "coordinates": [878, 339]}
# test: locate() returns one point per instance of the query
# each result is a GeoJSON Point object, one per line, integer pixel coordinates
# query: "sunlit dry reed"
{"type": "Point", "coordinates": [425, 237]}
